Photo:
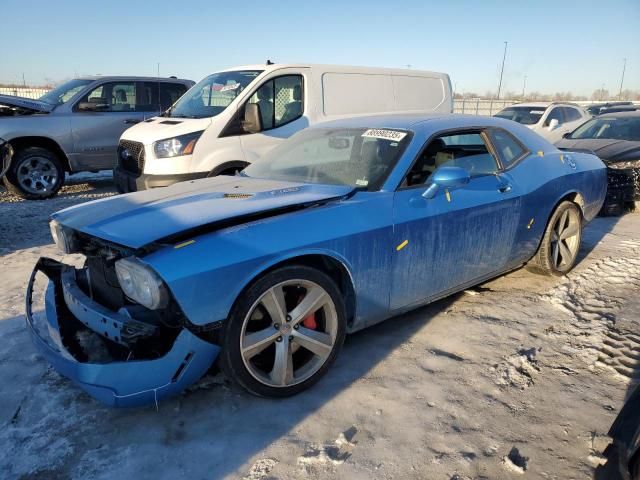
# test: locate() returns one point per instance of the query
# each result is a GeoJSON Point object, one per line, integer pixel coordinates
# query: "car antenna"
{"type": "Point", "coordinates": [269, 62]}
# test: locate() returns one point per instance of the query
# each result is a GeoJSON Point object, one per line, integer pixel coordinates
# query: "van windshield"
{"type": "Point", "coordinates": [212, 95]}
{"type": "Point", "coordinates": [357, 157]}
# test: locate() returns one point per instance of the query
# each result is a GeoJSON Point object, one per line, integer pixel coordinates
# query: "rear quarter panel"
{"type": "Point", "coordinates": [546, 177]}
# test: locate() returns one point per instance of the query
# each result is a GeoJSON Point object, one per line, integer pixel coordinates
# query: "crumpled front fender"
{"type": "Point", "coordinates": [117, 383]}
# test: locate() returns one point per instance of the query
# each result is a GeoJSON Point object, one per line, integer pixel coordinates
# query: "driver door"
{"type": "Point", "coordinates": [460, 235]}
{"type": "Point", "coordinates": [283, 109]}
{"type": "Point", "coordinates": [96, 133]}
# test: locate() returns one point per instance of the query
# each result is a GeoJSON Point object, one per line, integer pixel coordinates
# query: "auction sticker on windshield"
{"type": "Point", "coordinates": [384, 134]}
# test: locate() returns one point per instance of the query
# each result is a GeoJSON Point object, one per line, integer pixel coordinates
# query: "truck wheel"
{"type": "Point", "coordinates": [284, 332]}
{"type": "Point", "coordinates": [35, 174]}
{"type": "Point", "coordinates": [561, 241]}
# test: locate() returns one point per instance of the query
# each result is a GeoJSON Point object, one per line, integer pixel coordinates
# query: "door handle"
{"type": "Point", "coordinates": [506, 188]}
{"type": "Point", "coordinates": [131, 121]}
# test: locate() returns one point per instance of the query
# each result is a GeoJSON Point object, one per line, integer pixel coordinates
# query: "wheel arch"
{"type": "Point", "coordinates": [228, 166]}
{"type": "Point", "coordinates": [332, 265]}
{"type": "Point", "coordinates": [19, 143]}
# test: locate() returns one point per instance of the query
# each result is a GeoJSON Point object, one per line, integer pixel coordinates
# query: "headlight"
{"type": "Point", "coordinates": [63, 237]}
{"type": "Point", "coordinates": [141, 284]}
{"type": "Point", "coordinates": [624, 165]}
{"type": "Point", "coordinates": [176, 146]}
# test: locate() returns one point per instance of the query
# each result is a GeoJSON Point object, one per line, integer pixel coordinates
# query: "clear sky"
{"type": "Point", "coordinates": [560, 45]}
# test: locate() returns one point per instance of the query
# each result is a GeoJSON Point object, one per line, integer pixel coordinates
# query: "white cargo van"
{"type": "Point", "coordinates": [232, 117]}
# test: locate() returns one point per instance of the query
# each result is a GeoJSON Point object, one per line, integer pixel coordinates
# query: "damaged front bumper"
{"type": "Point", "coordinates": [115, 383]}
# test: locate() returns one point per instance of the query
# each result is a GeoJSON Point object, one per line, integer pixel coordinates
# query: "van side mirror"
{"type": "Point", "coordinates": [446, 177]}
{"type": "Point", "coordinates": [566, 135]}
{"type": "Point", "coordinates": [553, 124]}
{"type": "Point", "coordinates": [252, 122]}
{"type": "Point", "coordinates": [94, 104]}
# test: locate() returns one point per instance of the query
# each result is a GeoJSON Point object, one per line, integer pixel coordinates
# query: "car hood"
{"type": "Point", "coordinates": [28, 103]}
{"type": "Point", "coordinates": [158, 128]}
{"type": "Point", "coordinates": [138, 219]}
{"type": "Point", "coordinates": [605, 148]}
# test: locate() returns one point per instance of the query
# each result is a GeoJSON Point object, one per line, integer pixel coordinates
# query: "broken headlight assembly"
{"type": "Point", "coordinates": [176, 146]}
{"type": "Point", "coordinates": [64, 238]}
{"type": "Point", "coordinates": [141, 284]}
{"type": "Point", "coordinates": [624, 165]}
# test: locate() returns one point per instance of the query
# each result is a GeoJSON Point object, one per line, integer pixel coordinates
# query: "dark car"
{"type": "Point", "coordinates": [606, 107]}
{"type": "Point", "coordinates": [623, 454]}
{"type": "Point", "coordinates": [615, 138]}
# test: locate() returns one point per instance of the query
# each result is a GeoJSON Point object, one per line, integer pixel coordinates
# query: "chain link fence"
{"type": "Point", "coordinates": [25, 92]}
{"type": "Point", "coordinates": [479, 106]}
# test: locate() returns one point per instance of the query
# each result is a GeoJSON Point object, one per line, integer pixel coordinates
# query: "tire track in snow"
{"type": "Point", "coordinates": [594, 299]}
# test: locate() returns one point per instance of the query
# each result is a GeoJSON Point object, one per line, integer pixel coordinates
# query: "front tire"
{"type": "Point", "coordinates": [35, 174]}
{"type": "Point", "coordinates": [284, 332]}
{"type": "Point", "coordinates": [560, 244]}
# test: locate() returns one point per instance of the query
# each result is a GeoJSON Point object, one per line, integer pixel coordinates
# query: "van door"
{"type": "Point", "coordinates": [283, 108]}
{"type": "Point", "coordinates": [96, 134]}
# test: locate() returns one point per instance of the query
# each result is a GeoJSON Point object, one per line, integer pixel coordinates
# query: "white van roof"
{"type": "Point", "coordinates": [334, 68]}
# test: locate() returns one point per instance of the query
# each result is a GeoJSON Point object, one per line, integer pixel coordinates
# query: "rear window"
{"type": "Point", "coordinates": [523, 115]}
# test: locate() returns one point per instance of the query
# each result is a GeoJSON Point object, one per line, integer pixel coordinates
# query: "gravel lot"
{"type": "Point", "coordinates": [518, 378]}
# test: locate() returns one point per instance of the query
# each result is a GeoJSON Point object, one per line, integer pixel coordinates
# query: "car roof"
{"type": "Point", "coordinates": [417, 121]}
{"type": "Point", "coordinates": [134, 78]}
{"type": "Point", "coordinates": [625, 114]}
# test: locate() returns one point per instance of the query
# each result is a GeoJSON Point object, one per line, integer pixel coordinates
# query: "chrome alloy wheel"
{"type": "Point", "coordinates": [565, 239]}
{"type": "Point", "coordinates": [37, 175]}
{"type": "Point", "coordinates": [289, 333]}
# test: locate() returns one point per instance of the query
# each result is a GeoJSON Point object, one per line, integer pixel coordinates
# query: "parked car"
{"type": "Point", "coordinates": [232, 117]}
{"type": "Point", "coordinates": [549, 119]}
{"type": "Point", "coordinates": [623, 454]}
{"type": "Point", "coordinates": [603, 107]}
{"type": "Point", "coordinates": [615, 138]}
{"type": "Point", "coordinates": [76, 127]}
{"type": "Point", "coordinates": [343, 225]}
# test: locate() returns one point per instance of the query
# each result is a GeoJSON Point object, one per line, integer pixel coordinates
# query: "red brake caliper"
{"type": "Point", "coordinates": [310, 320]}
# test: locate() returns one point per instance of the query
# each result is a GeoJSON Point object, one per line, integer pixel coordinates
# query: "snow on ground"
{"type": "Point", "coordinates": [518, 378]}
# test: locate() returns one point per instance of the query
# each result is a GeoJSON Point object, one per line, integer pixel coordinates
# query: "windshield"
{"type": "Point", "coordinates": [213, 94]}
{"type": "Point", "coordinates": [618, 128]}
{"type": "Point", "coordinates": [359, 157]}
{"type": "Point", "coordinates": [63, 93]}
{"type": "Point", "coordinates": [524, 115]}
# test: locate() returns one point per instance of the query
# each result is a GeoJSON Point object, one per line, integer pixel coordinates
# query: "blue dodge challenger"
{"type": "Point", "coordinates": [342, 226]}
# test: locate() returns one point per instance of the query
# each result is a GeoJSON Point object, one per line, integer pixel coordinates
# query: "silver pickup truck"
{"type": "Point", "coordinates": [75, 127]}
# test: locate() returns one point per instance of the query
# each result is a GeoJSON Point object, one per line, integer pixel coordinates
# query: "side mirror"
{"type": "Point", "coordinates": [93, 105]}
{"type": "Point", "coordinates": [553, 124]}
{"type": "Point", "coordinates": [447, 177]}
{"type": "Point", "coordinates": [252, 122]}
{"type": "Point", "coordinates": [566, 135]}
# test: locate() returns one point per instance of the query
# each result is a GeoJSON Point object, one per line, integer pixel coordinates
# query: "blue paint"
{"type": "Point", "coordinates": [479, 232]}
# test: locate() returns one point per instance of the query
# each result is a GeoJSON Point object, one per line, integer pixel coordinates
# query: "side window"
{"type": "Point", "coordinates": [571, 114]}
{"type": "Point", "coordinates": [508, 148]}
{"type": "Point", "coordinates": [280, 101]}
{"type": "Point", "coordinates": [170, 93]}
{"type": "Point", "coordinates": [118, 96]}
{"type": "Point", "coordinates": [149, 92]}
{"type": "Point", "coordinates": [556, 113]}
{"type": "Point", "coordinates": [467, 150]}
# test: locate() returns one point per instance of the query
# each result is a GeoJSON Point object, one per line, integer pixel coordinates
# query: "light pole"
{"type": "Point", "coordinates": [524, 85]}
{"type": "Point", "coordinates": [624, 67]}
{"type": "Point", "coordinates": [601, 92]}
{"type": "Point", "coordinates": [504, 56]}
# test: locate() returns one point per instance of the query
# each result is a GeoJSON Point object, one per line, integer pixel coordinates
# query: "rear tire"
{"type": "Point", "coordinates": [284, 332]}
{"type": "Point", "coordinates": [35, 174]}
{"type": "Point", "coordinates": [560, 244]}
